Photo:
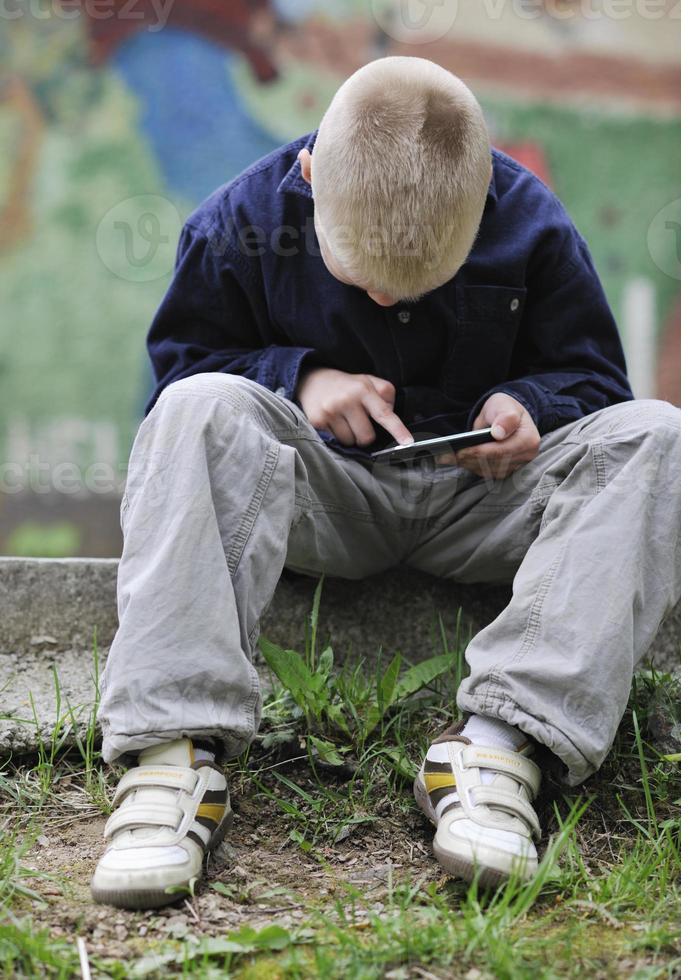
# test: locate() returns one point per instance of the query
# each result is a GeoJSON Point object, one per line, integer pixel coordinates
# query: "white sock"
{"type": "Point", "coordinates": [493, 733]}
{"type": "Point", "coordinates": [204, 755]}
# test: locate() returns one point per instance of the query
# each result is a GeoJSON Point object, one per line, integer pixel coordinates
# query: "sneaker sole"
{"type": "Point", "coordinates": [460, 868]}
{"type": "Point", "coordinates": [153, 898]}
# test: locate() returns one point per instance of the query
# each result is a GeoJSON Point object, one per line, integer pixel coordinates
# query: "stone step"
{"type": "Point", "coordinates": [52, 609]}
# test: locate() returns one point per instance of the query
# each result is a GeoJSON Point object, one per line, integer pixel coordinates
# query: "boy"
{"type": "Point", "coordinates": [386, 276]}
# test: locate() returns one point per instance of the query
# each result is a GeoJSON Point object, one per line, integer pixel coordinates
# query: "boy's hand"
{"type": "Point", "coordinates": [343, 404]}
{"type": "Point", "coordinates": [516, 434]}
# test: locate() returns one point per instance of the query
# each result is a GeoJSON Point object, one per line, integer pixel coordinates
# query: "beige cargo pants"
{"type": "Point", "coordinates": [228, 483]}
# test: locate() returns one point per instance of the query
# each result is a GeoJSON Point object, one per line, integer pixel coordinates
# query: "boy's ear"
{"type": "Point", "coordinates": [305, 158]}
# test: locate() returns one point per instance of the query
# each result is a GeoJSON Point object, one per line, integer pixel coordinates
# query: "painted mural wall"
{"type": "Point", "coordinates": [118, 116]}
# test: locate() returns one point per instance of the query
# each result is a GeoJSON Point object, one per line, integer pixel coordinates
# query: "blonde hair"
{"type": "Point", "coordinates": [400, 172]}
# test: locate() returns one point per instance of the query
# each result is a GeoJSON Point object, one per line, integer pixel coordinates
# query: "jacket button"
{"type": "Point", "coordinates": [515, 303]}
{"type": "Point", "coordinates": [404, 316]}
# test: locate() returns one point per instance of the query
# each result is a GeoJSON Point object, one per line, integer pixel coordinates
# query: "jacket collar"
{"type": "Point", "coordinates": [294, 182]}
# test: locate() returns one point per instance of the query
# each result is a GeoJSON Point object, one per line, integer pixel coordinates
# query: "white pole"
{"type": "Point", "coordinates": [640, 344]}
{"type": "Point", "coordinates": [84, 962]}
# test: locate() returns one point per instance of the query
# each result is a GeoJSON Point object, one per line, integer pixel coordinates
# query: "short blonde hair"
{"type": "Point", "coordinates": [400, 173]}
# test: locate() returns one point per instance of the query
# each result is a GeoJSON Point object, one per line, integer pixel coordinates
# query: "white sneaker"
{"type": "Point", "coordinates": [170, 810]}
{"type": "Point", "coordinates": [490, 826]}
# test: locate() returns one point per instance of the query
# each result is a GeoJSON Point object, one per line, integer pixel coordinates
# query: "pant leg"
{"type": "Point", "coordinates": [589, 532]}
{"type": "Point", "coordinates": [227, 482]}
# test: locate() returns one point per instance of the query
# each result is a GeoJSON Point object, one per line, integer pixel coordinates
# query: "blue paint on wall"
{"type": "Point", "coordinates": [192, 115]}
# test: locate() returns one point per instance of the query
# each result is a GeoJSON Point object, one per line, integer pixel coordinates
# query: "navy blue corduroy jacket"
{"type": "Point", "coordinates": [526, 314]}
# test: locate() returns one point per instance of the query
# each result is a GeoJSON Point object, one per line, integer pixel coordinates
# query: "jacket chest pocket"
{"type": "Point", "coordinates": [481, 346]}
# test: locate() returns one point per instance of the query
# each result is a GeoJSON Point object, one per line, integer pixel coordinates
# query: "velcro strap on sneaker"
{"type": "Point", "coordinates": [511, 763]}
{"type": "Point", "coordinates": [143, 815]}
{"type": "Point", "coordinates": [502, 800]}
{"type": "Point", "coordinates": [169, 777]}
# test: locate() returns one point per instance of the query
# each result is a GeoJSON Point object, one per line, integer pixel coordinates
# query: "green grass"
{"type": "Point", "coordinates": [329, 775]}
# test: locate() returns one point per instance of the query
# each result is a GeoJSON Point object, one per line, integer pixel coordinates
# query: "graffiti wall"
{"type": "Point", "coordinates": [118, 116]}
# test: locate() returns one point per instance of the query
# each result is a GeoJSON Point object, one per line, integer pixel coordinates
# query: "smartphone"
{"type": "Point", "coordinates": [434, 447]}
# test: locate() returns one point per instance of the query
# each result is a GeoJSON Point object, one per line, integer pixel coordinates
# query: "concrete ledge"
{"type": "Point", "coordinates": [49, 610]}
{"type": "Point", "coordinates": [56, 603]}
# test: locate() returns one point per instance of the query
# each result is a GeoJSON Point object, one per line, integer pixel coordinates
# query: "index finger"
{"type": "Point", "coordinates": [382, 412]}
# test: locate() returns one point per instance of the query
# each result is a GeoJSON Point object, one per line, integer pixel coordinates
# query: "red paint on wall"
{"type": "Point", "coordinates": [531, 155]}
{"type": "Point", "coordinates": [669, 358]}
{"type": "Point", "coordinates": [550, 78]}
{"type": "Point", "coordinates": [229, 23]}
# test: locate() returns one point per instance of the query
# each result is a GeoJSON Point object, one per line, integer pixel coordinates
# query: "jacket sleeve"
{"type": "Point", "coordinates": [568, 360]}
{"type": "Point", "coordinates": [213, 318]}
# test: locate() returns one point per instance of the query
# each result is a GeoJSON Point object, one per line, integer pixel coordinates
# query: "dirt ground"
{"type": "Point", "coordinates": [264, 878]}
